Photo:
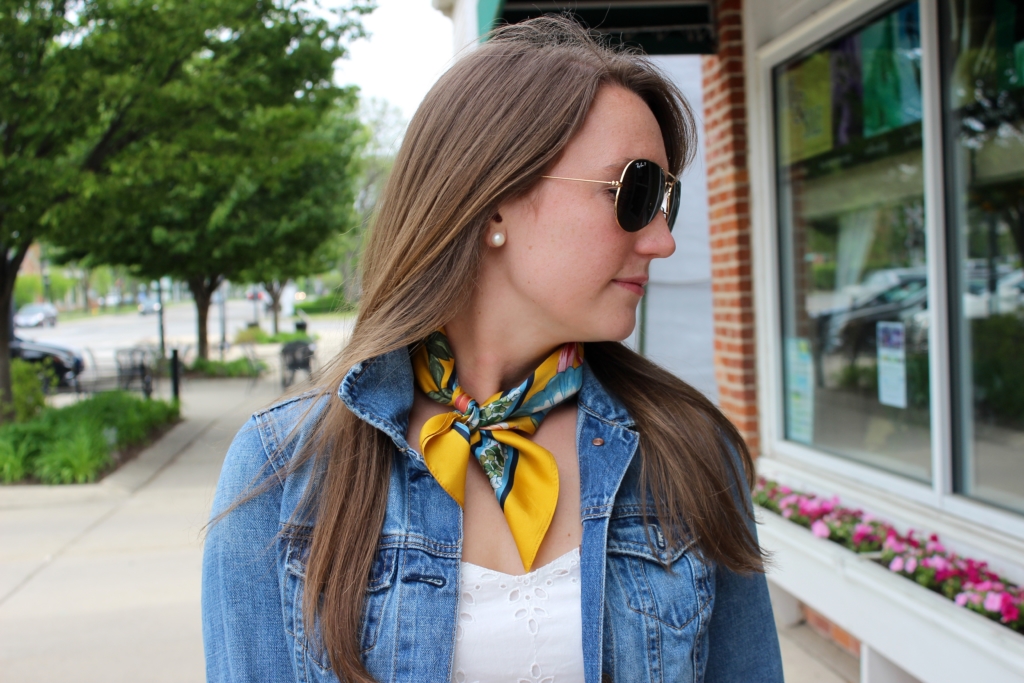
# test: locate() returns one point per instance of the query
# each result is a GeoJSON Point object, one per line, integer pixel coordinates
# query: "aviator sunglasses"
{"type": "Point", "coordinates": [643, 189]}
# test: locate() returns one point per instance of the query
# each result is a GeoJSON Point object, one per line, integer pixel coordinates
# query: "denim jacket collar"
{"type": "Point", "coordinates": [380, 392]}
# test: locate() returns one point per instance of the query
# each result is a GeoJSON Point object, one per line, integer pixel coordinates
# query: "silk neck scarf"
{"type": "Point", "coordinates": [524, 476]}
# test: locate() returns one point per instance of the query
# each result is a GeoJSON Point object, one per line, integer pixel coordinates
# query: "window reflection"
{"type": "Point", "coordinates": [851, 218]}
{"type": "Point", "coordinates": [984, 93]}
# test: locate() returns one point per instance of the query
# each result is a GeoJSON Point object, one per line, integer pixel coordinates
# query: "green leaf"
{"type": "Point", "coordinates": [436, 372]}
{"type": "Point", "coordinates": [437, 346]}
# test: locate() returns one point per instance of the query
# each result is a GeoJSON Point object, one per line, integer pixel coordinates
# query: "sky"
{"type": "Point", "coordinates": [409, 46]}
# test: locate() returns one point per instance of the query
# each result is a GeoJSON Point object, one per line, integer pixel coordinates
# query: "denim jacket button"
{"type": "Point", "coordinates": [598, 441]}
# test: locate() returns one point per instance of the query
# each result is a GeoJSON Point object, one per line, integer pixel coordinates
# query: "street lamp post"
{"type": "Point", "coordinates": [160, 316]}
{"type": "Point", "coordinates": [223, 321]}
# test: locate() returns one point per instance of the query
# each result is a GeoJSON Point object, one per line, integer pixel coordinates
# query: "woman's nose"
{"type": "Point", "coordinates": [655, 240]}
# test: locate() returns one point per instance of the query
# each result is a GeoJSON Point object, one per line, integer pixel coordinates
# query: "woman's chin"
{"type": "Point", "coordinates": [612, 328]}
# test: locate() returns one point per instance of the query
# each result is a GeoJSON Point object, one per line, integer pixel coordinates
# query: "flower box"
{"type": "Point", "coordinates": [926, 634]}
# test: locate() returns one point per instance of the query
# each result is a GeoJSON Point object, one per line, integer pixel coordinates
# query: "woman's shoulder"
{"type": "Point", "coordinates": [275, 434]}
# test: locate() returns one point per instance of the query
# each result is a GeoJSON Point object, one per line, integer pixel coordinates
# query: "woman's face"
{"type": "Point", "coordinates": [566, 265]}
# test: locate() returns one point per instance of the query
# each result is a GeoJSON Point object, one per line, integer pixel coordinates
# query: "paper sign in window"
{"type": "Point", "coordinates": [892, 364]}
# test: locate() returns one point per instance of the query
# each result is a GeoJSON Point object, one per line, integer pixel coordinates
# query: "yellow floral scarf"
{"type": "Point", "coordinates": [524, 475]}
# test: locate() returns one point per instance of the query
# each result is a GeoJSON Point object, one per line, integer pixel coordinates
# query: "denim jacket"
{"type": "Point", "coordinates": [641, 622]}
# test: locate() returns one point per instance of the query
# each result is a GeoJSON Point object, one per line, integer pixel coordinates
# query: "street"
{"type": "Point", "coordinates": [97, 337]}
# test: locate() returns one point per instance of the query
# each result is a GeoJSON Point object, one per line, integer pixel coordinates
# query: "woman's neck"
{"type": "Point", "coordinates": [494, 354]}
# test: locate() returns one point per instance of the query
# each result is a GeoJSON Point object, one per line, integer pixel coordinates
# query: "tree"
{"type": "Point", "coordinates": [85, 85]}
{"type": "Point", "coordinates": [386, 127]}
{"type": "Point", "coordinates": [305, 220]}
{"type": "Point", "coordinates": [191, 201]}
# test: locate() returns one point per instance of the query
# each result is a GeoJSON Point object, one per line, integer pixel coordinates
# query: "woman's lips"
{"type": "Point", "coordinates": [635, 286]}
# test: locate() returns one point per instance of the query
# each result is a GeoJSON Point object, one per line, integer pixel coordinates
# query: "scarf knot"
{"type": "Point", "coordinates": [524, 476]}
{"type": "Point", "coordinates": [468, 410]}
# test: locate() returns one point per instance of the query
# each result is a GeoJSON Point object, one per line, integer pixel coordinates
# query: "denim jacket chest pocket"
{"type": "Point", "coordinates": [658, 602]}
{"type": "Point", "coordinates": [311, 661]}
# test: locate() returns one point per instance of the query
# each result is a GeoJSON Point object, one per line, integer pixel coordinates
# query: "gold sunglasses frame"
{"type": "Point", "coordinates": [670, 185]}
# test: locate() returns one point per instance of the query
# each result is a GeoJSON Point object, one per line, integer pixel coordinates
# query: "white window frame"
{"type": "Point", "coordinates": [933, 507]}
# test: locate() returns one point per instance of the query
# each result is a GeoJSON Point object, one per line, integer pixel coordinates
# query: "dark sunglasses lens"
{"type": "Point", "coordinates": [640, 195]}
{"type": "Point", "coordinates": [673, 206]}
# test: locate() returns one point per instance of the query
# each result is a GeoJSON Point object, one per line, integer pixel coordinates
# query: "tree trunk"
{"type": "Point", "coordinates": [202, 291]}
{"type": "Point", "coordinates": [9, 268]}
{"type": "Point", "coordinates": [275, 289]}
{"type": "Point", "coordinates": [86, 276]}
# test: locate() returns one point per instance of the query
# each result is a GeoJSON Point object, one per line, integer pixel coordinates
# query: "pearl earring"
{"type": "Point", "coordinates": [497, 239]}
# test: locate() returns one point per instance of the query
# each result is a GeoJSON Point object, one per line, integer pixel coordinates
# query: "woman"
{"type": "Point", "coordinates": [588, 521]}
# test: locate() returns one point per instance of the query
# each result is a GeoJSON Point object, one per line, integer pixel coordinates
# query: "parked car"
{"type": "Point", "coordinates": [67, 363]}
{"type": "Point", "coordinates": [853, 328]}
{"type": "Point", "coordinates": [36, 315]}
{"type": "Point", "coordinates": [147, 306]}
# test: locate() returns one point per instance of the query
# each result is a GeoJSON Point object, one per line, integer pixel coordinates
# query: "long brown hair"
{"type": "Point", "coordinates": [484, 134]}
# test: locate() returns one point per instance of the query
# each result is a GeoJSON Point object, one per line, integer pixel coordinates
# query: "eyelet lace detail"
{"type": "Point", "coordinates": [526, 629]}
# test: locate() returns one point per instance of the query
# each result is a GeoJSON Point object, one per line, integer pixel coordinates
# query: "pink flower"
{"type": "Point", "coordinates": [911, 565]}
{"type": "Point", "coordinates": [896, 565]}
{"type": "Point", "coordinates": [861, 531]}
{"type": "Point", "coordinates": [961, 599]}
{"type": "Point", "coordinates": [993, 602]}
{"type": "Point", "coordinates": [1008, 609]}
{"type": "Point", "coordinates": [820, 529]}
{"type": "Point", "coordinates": [787, 513]}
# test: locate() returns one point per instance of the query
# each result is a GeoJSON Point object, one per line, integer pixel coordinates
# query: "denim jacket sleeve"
{"type": "Point", "coordinates": [743, 644]}
{"type": "Point", "coordinates": [243, 629]}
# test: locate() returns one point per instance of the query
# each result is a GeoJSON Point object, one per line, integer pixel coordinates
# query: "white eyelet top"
{"type": "Point", "coordinates": [520, 629]}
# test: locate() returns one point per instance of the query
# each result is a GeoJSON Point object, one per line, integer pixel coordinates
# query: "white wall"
{"type": "Point", "coordinates": [679, 332]}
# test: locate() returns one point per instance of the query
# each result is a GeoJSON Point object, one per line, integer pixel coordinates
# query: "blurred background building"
{"type": "Point", "coordinates": [849, 288]}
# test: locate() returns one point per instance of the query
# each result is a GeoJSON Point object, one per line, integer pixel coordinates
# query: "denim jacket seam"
{"type": "Point", "coordinates": [419, 542]}
{"type": "Point", "coordinates": [596, 511]}
{"type": "Point", "coordinates": [626, 424]}
{"type": "Point", "coordinates": [268, 424]}
{"type": "Point", "coordinates": [266, 430]}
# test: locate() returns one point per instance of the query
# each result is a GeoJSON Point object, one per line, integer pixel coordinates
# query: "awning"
{"type": "Point", "coordinates": [659, 27]}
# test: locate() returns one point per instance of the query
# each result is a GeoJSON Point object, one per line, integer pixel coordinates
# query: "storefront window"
{"type": "Point", "coordinates": [852, 246]}
{"type": "Point", "coordinates": [983, 63]}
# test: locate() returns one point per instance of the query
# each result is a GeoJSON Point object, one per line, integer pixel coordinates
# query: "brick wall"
{"type": "Point", "coordinates": [831, 631]}
{"type": "Point", "coordinates": [725, 129]}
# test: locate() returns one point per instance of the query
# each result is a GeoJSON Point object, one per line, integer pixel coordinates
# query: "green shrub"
{"type": "Point", "coordinates": [29, 288]}
{"type": "Point", "coordinates": [326, 304]}
{"type": "Point", "coordinates": [76, 458]}
{"type": "Point", "coordinates": [285, 337]}
{"type": "Point", "coordinates": [74, 444]}
{"type": "Point", "coordinates": [252, 335]}
{"type": "Point", "coordinates": [240, 367]}
{"type": "Point", "coordinates": [28, 384]}
{"type": "Point", "coordinates": [13, 464]}
{"type": "Point", "coordinates": [256, 335]}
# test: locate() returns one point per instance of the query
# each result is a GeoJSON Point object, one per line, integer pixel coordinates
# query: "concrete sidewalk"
{"type": "Point", "coordinates": [101, 582]}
